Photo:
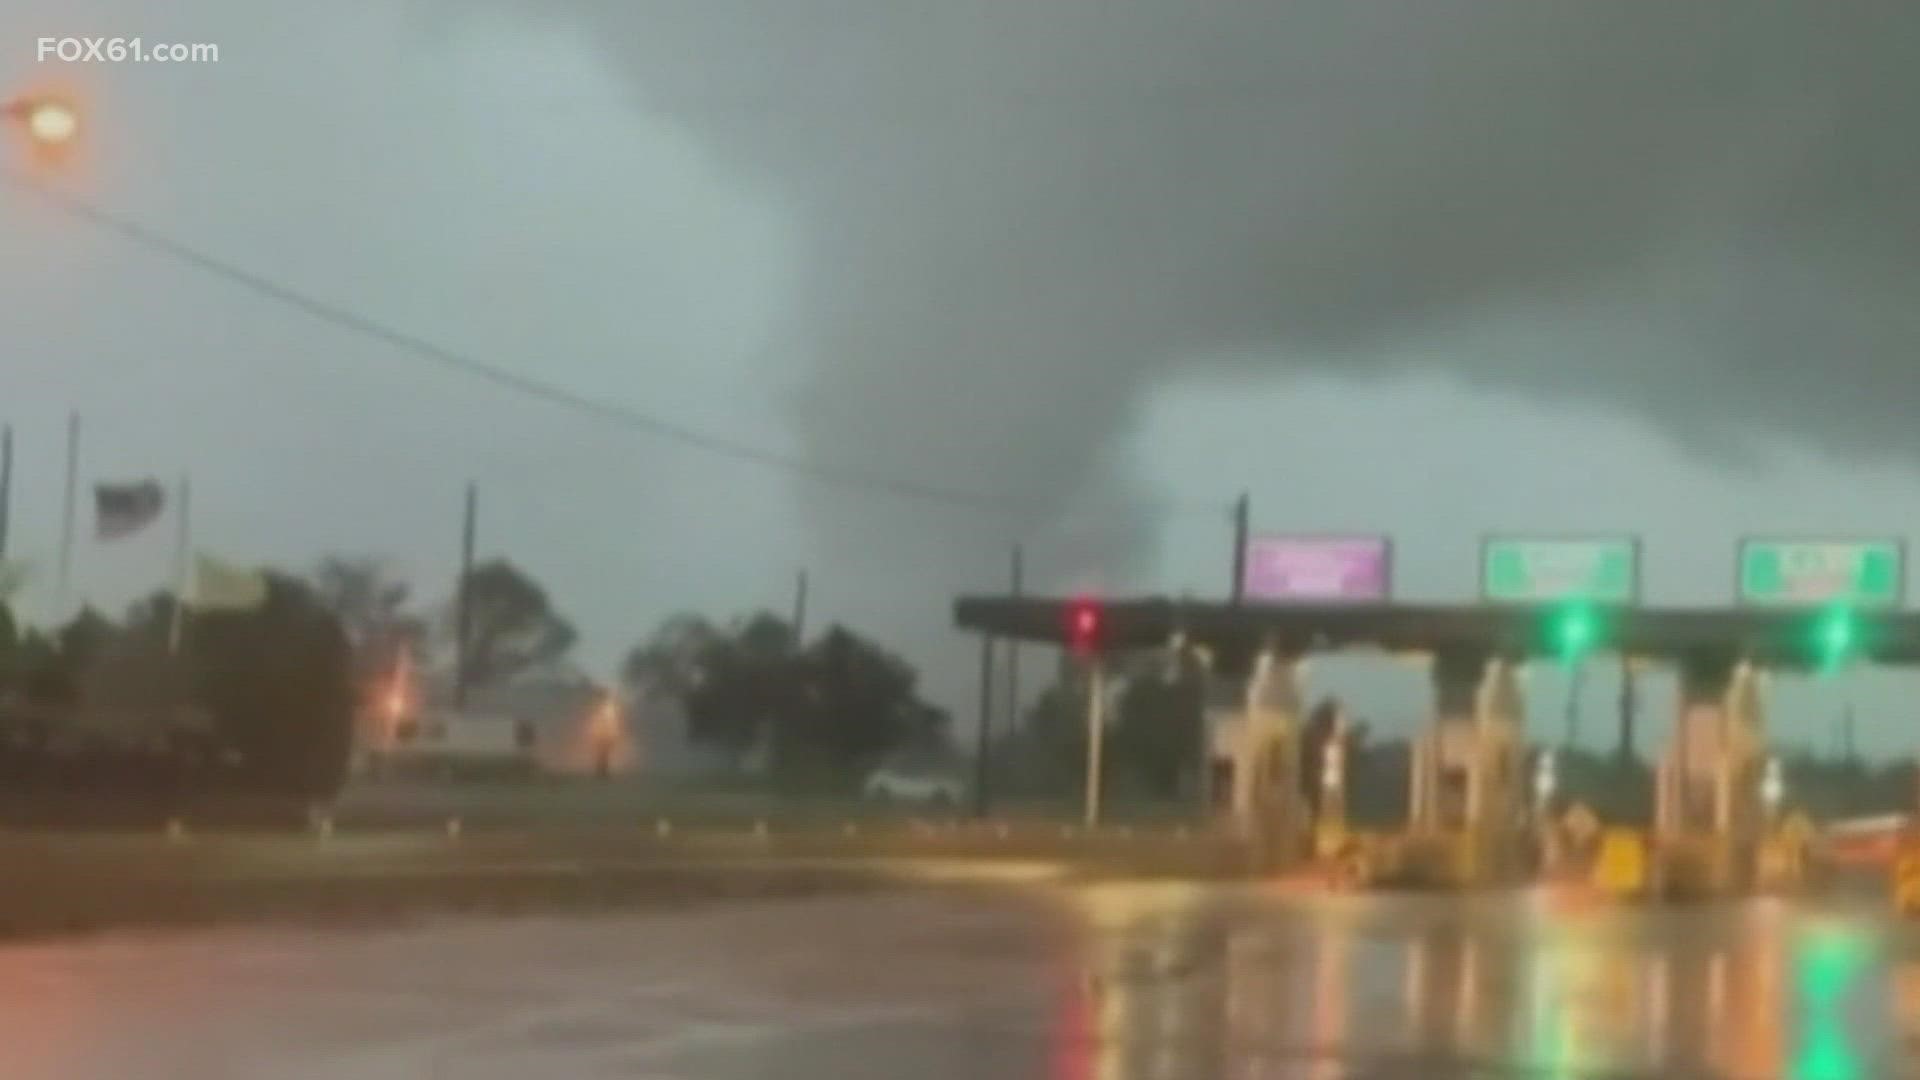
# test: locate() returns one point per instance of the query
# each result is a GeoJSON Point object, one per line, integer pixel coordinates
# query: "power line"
{"type": "Point", "coordinates": [353, 322]}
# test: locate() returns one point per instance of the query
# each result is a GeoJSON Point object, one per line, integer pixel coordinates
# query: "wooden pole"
{"type": "Point", "coordinates": [6, 485]}
{"type": "Point", "coordinates": [182, 561]}
{"type": "Point", "coordinates": [800, 610]}
{"type": "Point", "coordinates": [463, 611]}
{"type": "Point", "coordinates": [983, 741]}
{"type": "Point", "coordinates": [69, 507]}
{"type": "Point", "coordinates": [1242, 528]}
{"type": "Point", "coordinates": [1013, 647]}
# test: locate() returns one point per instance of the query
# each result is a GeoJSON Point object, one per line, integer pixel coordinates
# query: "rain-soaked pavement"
{"type": "Point", "coordinates": [1094, 982]}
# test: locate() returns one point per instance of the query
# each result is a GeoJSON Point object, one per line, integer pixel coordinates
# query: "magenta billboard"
{"type": "Point", "coordinates": [1318, 569]}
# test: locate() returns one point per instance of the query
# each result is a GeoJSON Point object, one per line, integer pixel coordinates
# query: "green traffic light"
{"type": "Point", "coordinates": [1575, 630]}
{"type": "Point", "coordinates": [1836, 635]}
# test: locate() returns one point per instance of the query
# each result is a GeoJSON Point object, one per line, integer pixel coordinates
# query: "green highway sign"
{"type": "Point", "coordinates": [1519, 570]}
{"type": "Point", "coordinates": [1800, 573]}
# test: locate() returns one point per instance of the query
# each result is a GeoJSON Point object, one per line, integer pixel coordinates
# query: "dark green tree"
{"type": "Point", "coordinates": [746, 682]}
{"type": "Point", "coordinates": [825, 714]}
{"type": "Point", "coordinates": [512, 625]}
{"type": "Point", "coordinates": [278, 683]}
{"type": "Point", "coordinates": [53, 669]}
{"type": "Point", "coordinates": [137, 673]}
{"type": "Point", "coordinates": [855, 704]}
{"type": "Point", "coordinates": [9, 651]}
{"type": "Point", "coordinates": [43, 677]}
{"type": "Point", "coordinates": [84, 639]}
{"type": "Point", "coordinates": [372, 608]}
{"type": "Point", "coordinates": [670, 662]}
{"type": "Point", "coordinates": [1047, 755]}
{"type": "Point", "coordinates": [1155, 739]}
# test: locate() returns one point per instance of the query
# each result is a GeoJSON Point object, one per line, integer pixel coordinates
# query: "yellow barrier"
{"type": "Point", "coordinates": [1906, 882]}
{"type": "Point", "coordinates": [1621, 868]}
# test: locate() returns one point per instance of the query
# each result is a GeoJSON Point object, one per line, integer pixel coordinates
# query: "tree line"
{"type": "Point", "coordinates": [257, 701]}
{"type": "Point", "coordinates": [818, 713]}
{"type": "Point", "coordinates": [268, 700]}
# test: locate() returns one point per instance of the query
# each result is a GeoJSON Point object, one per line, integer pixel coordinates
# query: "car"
{"type": "Point", "coordinates": [893, 785]}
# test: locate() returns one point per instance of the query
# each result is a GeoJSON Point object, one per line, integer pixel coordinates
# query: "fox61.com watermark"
{"type": "Point", "coordinates": [123, 50]}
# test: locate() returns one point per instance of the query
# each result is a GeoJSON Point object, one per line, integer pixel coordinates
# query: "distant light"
{"type": "Point", "coordinates": [49, 121]}
{"type": "Point", "coordinates": [1773, 786]}
{"type": "Point", "coordinates": [1575, 630]}
{"type": "Point", "coordinates": [1836, 632]}
{"type": "Point", "coordinates": [1083, 626]}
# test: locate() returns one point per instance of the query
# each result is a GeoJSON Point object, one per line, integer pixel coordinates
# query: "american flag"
{"type": "Point", "coordinates": [120, 510]}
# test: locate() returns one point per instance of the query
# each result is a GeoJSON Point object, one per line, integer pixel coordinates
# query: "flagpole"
{"type": "Point", "coordinates": [65, 579]}
{"type": "Point", "coordinates": [6, 486]}
{"type": "Point", "coordinates": [182, 561]}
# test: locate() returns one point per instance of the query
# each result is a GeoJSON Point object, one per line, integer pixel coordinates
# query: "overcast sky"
{"type": "Point", "coordinates": [1508, 266]}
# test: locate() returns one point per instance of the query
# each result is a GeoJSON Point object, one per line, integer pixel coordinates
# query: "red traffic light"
{"type": "Point", "coordinates": [1083, 626]}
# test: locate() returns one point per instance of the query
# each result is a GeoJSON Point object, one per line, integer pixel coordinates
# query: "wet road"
{"type": "Point", "coordinates": [1093, 982]}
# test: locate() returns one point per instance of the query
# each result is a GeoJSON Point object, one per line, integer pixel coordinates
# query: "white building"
{"type": "Point", "coordinates": [552, 720]}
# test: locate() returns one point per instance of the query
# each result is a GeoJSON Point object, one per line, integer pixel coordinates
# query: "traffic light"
{"type": "Point", "coordinates": [1085, 623]}
{"type": "Point", "coordinates": [1837, 636]}
{"type": "Point", "coordinates": [1573, 629]}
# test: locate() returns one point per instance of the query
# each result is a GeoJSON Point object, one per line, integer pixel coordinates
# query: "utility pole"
{"type": "Point", "coordinates": [800, 610]}
{"type": "Point", "coordinates": [983, 740]}
{"type": "Point", "coordinates": [463, 602]}
{"type": "Point", "coordinates": [1013, 646]}
{"type": "Point", "coordinates": [1576, 680]}
{"type": "Point", "coordinates": [1848, 752]}
{"type": "Point", "coordinates": [182, 564]}
{"type": "Point", "coordinates": [1242, 526]}
{"type": "Point", "coordinates": [1629, 702]}
{"type": "Point", "coordinates": [70, 506]}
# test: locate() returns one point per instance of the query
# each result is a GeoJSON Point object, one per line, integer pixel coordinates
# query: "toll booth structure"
{"type": "Point", "coordinates": [1710, 819]}
{"type": "Point", "coordinates": [1467, 789]}
{"type": "Point", "coordinates": [1266, 806]}
{"type": "Point", "coordinates": [1468, 784]}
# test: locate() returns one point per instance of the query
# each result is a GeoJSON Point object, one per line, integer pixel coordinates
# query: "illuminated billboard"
{"type": "Point", "coordinates": [1318, 569]}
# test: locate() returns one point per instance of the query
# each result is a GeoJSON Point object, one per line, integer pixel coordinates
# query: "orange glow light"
{"type": "Point", "coordinates": [51, 122]}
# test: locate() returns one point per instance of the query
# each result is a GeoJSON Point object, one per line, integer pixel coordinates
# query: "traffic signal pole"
{"type": "Point", "coordinates": [1576, 681]}
{"type": "Point", "coordinates": [1096, 734]}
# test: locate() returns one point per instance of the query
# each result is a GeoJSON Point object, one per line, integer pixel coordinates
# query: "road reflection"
{"type": "Point", "coordinates": [1177, 985]}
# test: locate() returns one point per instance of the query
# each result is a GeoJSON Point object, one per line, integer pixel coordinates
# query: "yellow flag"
{"type": "Point", "coordinates": [220, 586]}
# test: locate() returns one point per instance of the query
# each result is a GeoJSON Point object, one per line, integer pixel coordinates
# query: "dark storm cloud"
{"type": "Point", "coordinates": [1020, 215]}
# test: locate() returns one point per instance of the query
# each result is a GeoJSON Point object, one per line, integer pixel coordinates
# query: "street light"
{"type": "Point", "coordinates": [51, 122]}
{"type": "Point", "coordinates": [1545, 779]}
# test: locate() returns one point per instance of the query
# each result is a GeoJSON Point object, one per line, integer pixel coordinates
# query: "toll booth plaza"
{"type": "Point", "coordinates": [1469, 790]}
